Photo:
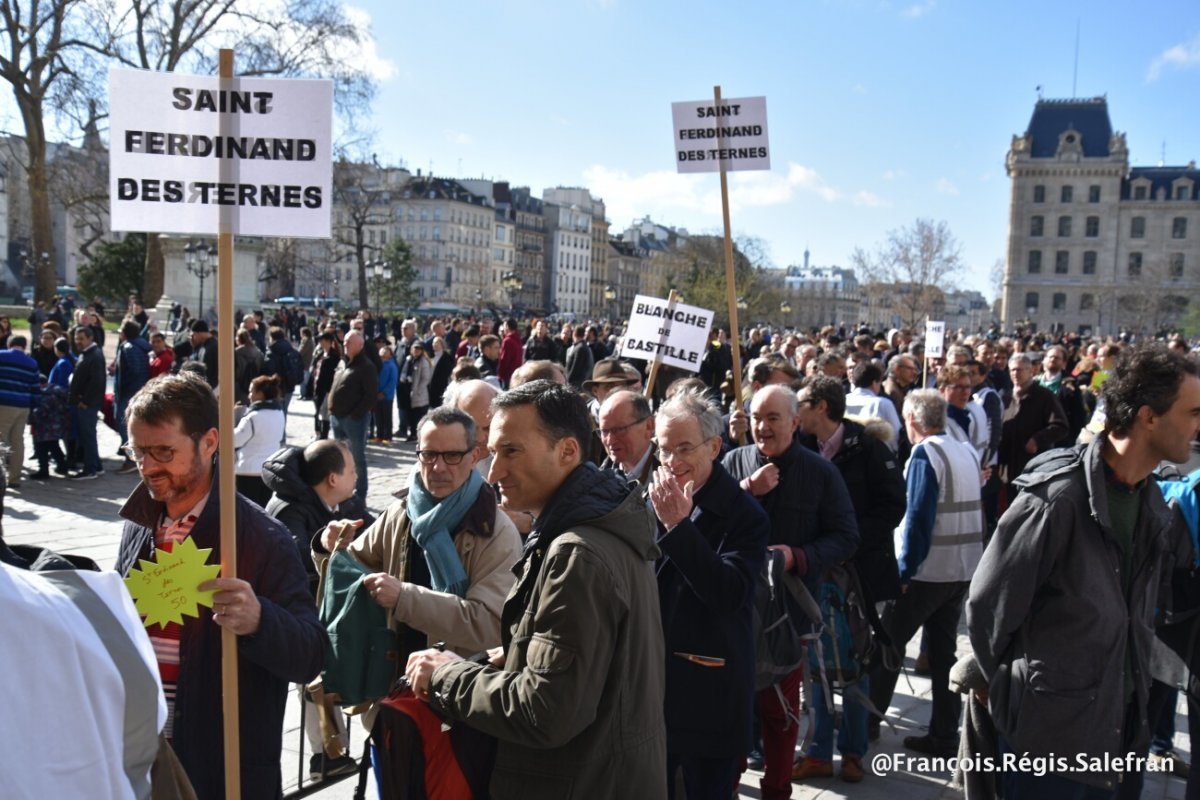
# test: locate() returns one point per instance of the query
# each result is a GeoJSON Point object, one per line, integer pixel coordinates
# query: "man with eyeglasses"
{"type": "Point", "coordinates": [574, 695]}
{"type": "Point", "coordinates": [812, 524]}
{"type": "Point", "coordinates": [627, 431]}
{"type": "Point", "coordinates": [443, 555]}
{"type": "Point", "coordinates": [713, 537]}
{"type": "Point", "coordinates": [173, 440]}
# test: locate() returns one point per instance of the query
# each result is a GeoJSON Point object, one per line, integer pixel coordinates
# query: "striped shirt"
{"type": "Point", "coordinates": [165, 638]}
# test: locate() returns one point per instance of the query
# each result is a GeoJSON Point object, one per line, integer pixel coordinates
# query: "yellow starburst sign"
{"type": "Point", "coordinates": [167, 588]}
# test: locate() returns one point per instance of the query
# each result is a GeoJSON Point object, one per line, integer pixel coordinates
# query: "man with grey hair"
{"type": "Point", "coordinates": [812, 526]}
{"type": "Point", "coordinates": [1033, 422]}
{"type": "Point", "coordinates": [938, 545]}
{"type": "Point", "coordinates": [713, 538]}
{"type": "Point", "coordinates": [475, 398]}
{"type": "Point", "coordinates": [442, 556]}
{"type": "Point", "coordinates": [627, 432]}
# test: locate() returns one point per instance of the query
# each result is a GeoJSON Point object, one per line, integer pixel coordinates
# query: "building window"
{"type": "Point", "coordinates": [1092, 227]}
{"type": "Point", "coordinates": [1137, 228]}
{"type": "Point", "coordinates": [1035, 225]}
{"type": "Point", "coordinates": [1179, 228]}
{"type": "Point", "coordinates": [424, 214]}
{"type": "Point", "coordinates": [1039, 194]}
{"type": "Point", "coordinates": [1061, 262]}
{"type": "Point", "coordinates": [437, 232]}
{"type": "Point", "coordinates": [1031, 301]}
{"type": "Point", "coordinates": [1067, 194]}
{"type": "Point", "coordinates": [1086, 302]}
{"type": "Point", "coordinates": [1060, 301]}
{"type": "Point", "coordinates": [1064, 226]}
{"type": "Point", "coordinates": [1135, 265]}
{"type": "Point", "coordinates": [437, 214]}
{"type": "Point", "coordinates": [1089, 262]}
{"type": "Point", "coordinates": [1093, 194]}
{"type": "Point", "coordinates": [1181, 193]}
{"type": "Point", "coordinates": [1139, 193]}
{"type": "Point", "coordinates": [499, 233]}
{"type": "Point", "coordinates": [1176, 266]}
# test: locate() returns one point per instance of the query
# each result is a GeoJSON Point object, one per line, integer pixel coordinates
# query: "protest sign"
{"type": "Point", "coordinates": [167, 588]}
{"type": "Point", "coordinates": [935, 338]}
{"type": "Point", "coordinates": [673, 333]}
{"type": "Point", "coordinates": [730, 135]}
{"type": "Point", "coordinates": [198, 154]}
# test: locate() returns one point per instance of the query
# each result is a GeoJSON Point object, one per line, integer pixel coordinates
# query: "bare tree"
{"type": "Point", "coordinates": [916, 265]}
{"type": "Point", "coordinates": [37, 40]}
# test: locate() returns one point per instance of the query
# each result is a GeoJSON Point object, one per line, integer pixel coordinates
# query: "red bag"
{"type": "Point", "coordinates": [423, 758]}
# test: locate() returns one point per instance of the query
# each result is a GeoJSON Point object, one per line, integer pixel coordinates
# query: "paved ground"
{"type": "Point", "coordinates": [81, 517]}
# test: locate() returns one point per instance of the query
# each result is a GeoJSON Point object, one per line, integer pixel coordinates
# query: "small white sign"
{"type": "Point", "coordinates": [195, 154]}
{"type": "Point", "coordinates": [935, 339]}
{"type": "Point", "coordinates": [673, 333]}
{"type": "Point", "coordinates": [732, 135]}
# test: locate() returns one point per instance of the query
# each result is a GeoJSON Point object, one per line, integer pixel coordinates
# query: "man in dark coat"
{"type": "Point", "coordinates": [812, 524]}
{"type": "Point", "coordinates": [713, 537]}
{"type": "Point", "coordinates": [86, 398]}
{"type": "Point", "coordinates": [579, 359]}
{"type": "Point", "coordinates": [173, 435]}
{"type": "Point", "coordinates": [1033, 423]}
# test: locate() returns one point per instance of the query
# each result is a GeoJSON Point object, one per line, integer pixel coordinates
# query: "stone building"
{"type": "Point", "coordinates": [1095, 245]}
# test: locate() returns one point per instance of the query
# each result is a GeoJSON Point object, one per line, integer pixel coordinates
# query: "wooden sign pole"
{"type": "Point", "coordinates": [649, 392]}
{"type": "Point", "coordinates": [735, 335]}
{"type": "Point", "coordinates": [225, 477]}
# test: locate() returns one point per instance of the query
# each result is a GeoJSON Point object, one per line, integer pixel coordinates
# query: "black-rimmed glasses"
{"type": "Point", "coordinates": [452, 458]}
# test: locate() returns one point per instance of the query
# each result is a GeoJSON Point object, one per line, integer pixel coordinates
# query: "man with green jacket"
{"type": "Point", "coordinates": [575, 693]}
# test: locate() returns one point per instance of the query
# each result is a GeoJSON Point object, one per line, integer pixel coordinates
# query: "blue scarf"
{"type": "Point", "coordinates": [431, 525]}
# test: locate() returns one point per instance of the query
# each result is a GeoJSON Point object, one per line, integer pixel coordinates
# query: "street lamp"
{"type": "Point", "coordinates": [785, 308]}
{"type": "Point", "coordinates": [382, 270]}
{"type": "Point", "coordinates": [610, 294]}
{"type": "Point", "coordinates": [197, 259]}
{"type": "Point", "coordinates": [513, 284]}
{"type": "Point", "coordinates": [478, 301]}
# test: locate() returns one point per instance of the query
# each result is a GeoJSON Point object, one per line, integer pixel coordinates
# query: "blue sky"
{"type": "Point", "coordinates": [879, 112]}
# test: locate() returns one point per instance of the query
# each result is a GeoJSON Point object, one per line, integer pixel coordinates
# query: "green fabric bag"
{"type": "Point", "coordinates": [363, 654]}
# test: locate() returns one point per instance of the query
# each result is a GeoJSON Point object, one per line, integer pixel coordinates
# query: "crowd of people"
{"type": "Point", "coordinates": [573, 565]}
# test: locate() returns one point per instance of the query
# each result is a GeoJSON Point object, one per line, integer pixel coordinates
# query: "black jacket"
{"type": "Point", "coordinates": [89, 379]}
{"type": "Point", "coordinates": [810, 509]}
{"type": "Point", "coordinates": [354, 389]}
{"type": "Point", "coordinates": [296, 504]}
{"type": "Point", "coordinates": [877, 490]}
{"type": "Point", "coordinates": [288, 648]}
{"type": "Point", "coordinates": [706, 582]}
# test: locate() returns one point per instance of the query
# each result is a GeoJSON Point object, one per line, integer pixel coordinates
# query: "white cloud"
{"type": "Point", "coordinates": [629, 196]}
{"type": "Point", "coordinates": [944, 186]}
{"type": "Point", "coordinates": [894, 174]}
{"type": "Point", "coordinates": [806, 178]}
{"type": "Point", "coordinates": [870, 200]}
{"type": "Point", "coordinates": [458, 137]}
{"type": "Point", "coordinates": [919, 9]}
{"type": "Point", "coordinates": [1180, 57]}
{"type": "Point", "coordinates": [365, 53]}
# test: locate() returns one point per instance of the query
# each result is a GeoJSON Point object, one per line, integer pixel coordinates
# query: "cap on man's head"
{"type": "Point", "coordinates": [608, 370]}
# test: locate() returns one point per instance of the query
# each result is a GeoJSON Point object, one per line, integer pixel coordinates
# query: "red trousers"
{"type": "Point", "coordinates": [779, 733]}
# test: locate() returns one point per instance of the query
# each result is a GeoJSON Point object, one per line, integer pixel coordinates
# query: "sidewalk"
{"type": "Point", "coordinates": [81, 517]}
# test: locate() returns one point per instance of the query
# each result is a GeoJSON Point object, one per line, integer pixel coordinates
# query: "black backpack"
{"type": "Point", "coordinates": [779, 639]}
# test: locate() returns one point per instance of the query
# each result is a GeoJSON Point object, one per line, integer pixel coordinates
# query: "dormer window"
{"type": "Point", "coordinates": [1070, 145]}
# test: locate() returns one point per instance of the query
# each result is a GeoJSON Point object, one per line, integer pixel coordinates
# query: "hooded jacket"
{"type": "Point", "coordinates": [578, 706]}
{"type": "Point", "coordinates": [133, 367]}
{"type": "Point", "coordinates": [1048, 618]}
{"type": "Point", "coordinates": [296, 505]}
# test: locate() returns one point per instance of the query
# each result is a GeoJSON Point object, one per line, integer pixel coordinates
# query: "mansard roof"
{"type": "Point", "coordinates": [1088, 116]}
{"type": "Point", "coordinates": [1163, 178]}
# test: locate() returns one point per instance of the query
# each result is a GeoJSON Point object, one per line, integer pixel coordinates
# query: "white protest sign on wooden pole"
{"type": "Point", "coordinates": [185, 146]}
{"type": "Point", "coordinates": [227, 156]}
{"type": "Point", "coordinates": [666, 332]}
{"type": "Point", "coordinates": [935, 344]}
{"type": "Point", "coordinates": [739, 128]}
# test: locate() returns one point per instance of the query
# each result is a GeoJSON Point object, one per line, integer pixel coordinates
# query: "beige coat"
{"type": "Point", "coordinates": [489, 546]}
